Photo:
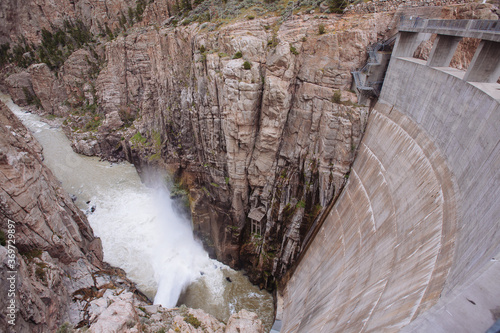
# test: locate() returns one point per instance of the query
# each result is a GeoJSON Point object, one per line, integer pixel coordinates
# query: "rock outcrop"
{"type": "Point", "coordinates": [56, 250]}
{"type": "Point", "coordinates": [20, 88]}
{"type": "Point", "coordinates": [26, 19]}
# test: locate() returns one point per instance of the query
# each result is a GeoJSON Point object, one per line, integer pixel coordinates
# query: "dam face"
{"type": "Point", "coordinates": [419, 220]}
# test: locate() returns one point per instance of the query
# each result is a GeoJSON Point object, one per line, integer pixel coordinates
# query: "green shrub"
{"type": "Point", "coordinates": [4, 54]}
{"type": "Point", "coordinates": [29, 255]}
{"type": "Point", "coordinates": [238, 55]}
{"type": "Point", "coordinates": [93, 123]}
{"type": "Point", "coordinates": [293, 50]}
{"type": "Point", "coordinates": [110, 34]}
{"type": "Point", "coordinates": [140, 5]}
{"type": "Point", "coordinates": [321, 29]}
{"type": "Point", "coordinates": [337, 6]}
{"type": "Point", "coordinates": [337, 95]}
{"type": "Point", "coordinates": [247, 65]}
{"type": "Point", "coordinates": [273, 42]}
{"type": "Point", "coordinates": [131, 15]}
{"type": "Point", "coordinates": [65, 328]}
{"type": "Point", "coordinates": [138, 138]}
{"type": "Point", "coordinates": [250, 17]}
{"type": "Point", "coordinates": [40, 271]}
{"type": "Point", "coordinates": [301, 204]}
{"type": "Point", "coordinates": [192, 320]}
{"type": "Point", "coordinates": [156, 139]}
{"type": "Point", "coordinates": [202, 49]}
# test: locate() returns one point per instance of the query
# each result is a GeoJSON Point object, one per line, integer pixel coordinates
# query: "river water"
{"type": "Point", "coordinates": [142, 233]}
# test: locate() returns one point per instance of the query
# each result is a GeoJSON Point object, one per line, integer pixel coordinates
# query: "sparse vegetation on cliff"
{"type": "Point", "coordinates": [192, 320]}
{"type": "Point", "coordinates": [247, 65]}
{"type": "Point", "coordinates": [337, 6]}
{"type": "Point", "coordinates": [55, 46]}
{"type": "Point", "coordinates": [223, 11]}
{"type": "Point", "coordinates": [321, 29]}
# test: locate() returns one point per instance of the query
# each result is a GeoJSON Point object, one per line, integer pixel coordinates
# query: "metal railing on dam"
{"type": "Point", "coordinates": [417, 224]}
{"type": "Point", "coordinates": [369, 79]}
{"type": "Point", "coordinates": [484, 66]}
{"type": "Point", "coordinates": [482, 29]}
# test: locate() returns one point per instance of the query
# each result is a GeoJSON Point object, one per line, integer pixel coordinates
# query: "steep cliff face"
{"type": "Point", "coordinates": [56, 250]}
{"type": "Point", "coordinates": [256, 116]}
{"type": "Point", "coordinates": [26, 19]}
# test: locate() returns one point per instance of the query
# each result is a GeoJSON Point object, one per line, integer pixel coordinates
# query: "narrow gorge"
{"type": "Point", "coordinates": [251, 110]}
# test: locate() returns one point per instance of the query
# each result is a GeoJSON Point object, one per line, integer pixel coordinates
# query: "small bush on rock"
{"type": "Point", "coordinates": [192, 320]}
{"type": "Point", "coordinates": [321, 29]}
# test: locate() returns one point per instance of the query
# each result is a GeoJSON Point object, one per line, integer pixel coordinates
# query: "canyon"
{"type": "Point", "coordinates": [53, 273]}
{"type": "Point", "coordinates": [255, 118]}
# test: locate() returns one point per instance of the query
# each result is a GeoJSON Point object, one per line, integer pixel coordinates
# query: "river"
{"type": "Point", "coordinates": [142, 233]}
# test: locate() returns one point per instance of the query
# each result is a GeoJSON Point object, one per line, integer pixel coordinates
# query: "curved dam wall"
{"type": "Point", "coordinates": [418, 220]}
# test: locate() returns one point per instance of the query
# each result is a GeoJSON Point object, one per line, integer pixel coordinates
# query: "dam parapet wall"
{"type": "Point", "coordinates": [417, 222]}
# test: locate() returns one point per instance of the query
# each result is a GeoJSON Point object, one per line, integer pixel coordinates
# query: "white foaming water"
{"type": "Point", "coordinates": [142, 234]}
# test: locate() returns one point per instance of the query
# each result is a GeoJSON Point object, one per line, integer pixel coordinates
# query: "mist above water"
{"type": "Point", "coordinates": [142, 234]}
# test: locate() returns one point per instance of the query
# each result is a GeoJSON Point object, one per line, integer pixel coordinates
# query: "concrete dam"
{"type": "Point", "coordinates": [413, 242]}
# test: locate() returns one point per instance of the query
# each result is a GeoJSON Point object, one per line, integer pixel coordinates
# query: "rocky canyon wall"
{"type": "Point", "coordinates": [257, 116]}
{"type": "Point", "coordinates": [26, 19]}
{"type": "Point", "coordinates": [47, 243]}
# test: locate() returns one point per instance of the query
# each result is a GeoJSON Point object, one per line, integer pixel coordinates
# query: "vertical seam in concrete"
{"type": "Point", "coordinates": [448, 201]}
{"type": "Point", "coordinates": [362, 186]}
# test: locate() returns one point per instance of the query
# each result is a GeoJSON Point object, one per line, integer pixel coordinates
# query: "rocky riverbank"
{"type": "Point", "coordinates": [53, 263]}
